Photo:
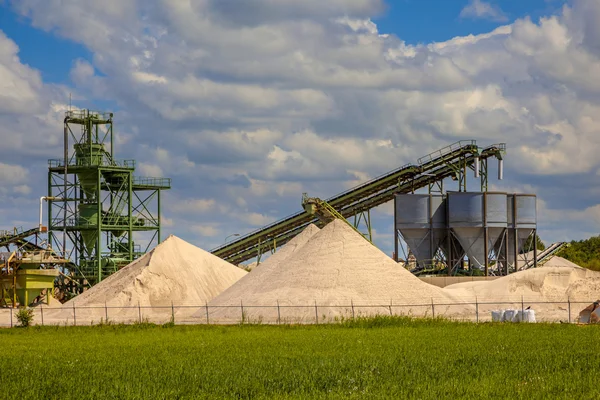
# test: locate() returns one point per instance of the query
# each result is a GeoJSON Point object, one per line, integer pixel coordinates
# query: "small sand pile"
{"type": "Point", "coordinates": [174, 272]}
{"type": "Point", "coordinates": [336, 268]}
{"type": "Point", "coordinates": [556, 261]}
{"type": "Point", "coordinates": [549, 283]}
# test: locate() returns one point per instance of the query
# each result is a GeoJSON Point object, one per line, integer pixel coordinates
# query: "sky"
{"type": "Point", "coordinates": [247, 105]}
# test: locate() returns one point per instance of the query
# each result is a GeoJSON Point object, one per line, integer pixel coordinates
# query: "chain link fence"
{"type": "Point", "coordinates": [567, 311]}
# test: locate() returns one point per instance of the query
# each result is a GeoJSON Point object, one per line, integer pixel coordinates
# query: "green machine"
{"type": "Point", "coordinates": [100, 216]}
{"type": "Point", "coordinates": [27, 276]}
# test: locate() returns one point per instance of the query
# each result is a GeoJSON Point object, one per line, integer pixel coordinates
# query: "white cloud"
{"type": "Point", "coordinates": [12, 174]}
{"type": "Point", "coordinates": [483, 9]}
{"type": "Point", "coordinates": [22, 189]}
{"type": "Point", "coordinates": [205, 230]}
{"type": "Point", "coordinates": [193, 206]}
{"type": "Point", "coordinates": [247, 110]}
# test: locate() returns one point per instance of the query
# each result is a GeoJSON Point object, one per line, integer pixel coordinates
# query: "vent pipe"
{"type": "Point", "coordinates": [500, 169]}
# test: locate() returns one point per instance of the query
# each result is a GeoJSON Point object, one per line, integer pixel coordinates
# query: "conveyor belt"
{"type": "Point", "coordinates": [13, 236]}
{"type": "Point", "coordinates": [428, 170]}
{"type": "Point", "coordinates": [546, 254]}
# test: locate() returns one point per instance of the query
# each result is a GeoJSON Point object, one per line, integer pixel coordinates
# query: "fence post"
{"type": "Point", "coordinates": [278, 314]}
{"type": "Point", "coordinates": [11, 316]}
{"type": "Point", "coordinates": [42, 313]}
{"type": "Point", "coordinates": [206, 305]}
{"type": "Point", "coordinates": [242, 306]}
{"type": "Point", "coordinates": [172, 312]}
{"type": "Point", "coordinates": [316, 313]}
{"type": "Point", "coordinates": [522, 309]}
{"type": "Point", "coordinates": [476, 310]}
{"type": "Point", "coordinates": [352, 304]}
{"type": "Point", "coordinates": [74, 316]}
{"type": "Point", "coordinates": [391, 302]}
{"type": "Point", "coordinates": [432, 308]}
{"type": "Point", "coordinates": [569, 307]}
{"type": "Point", "coordinates": [106, 312]}
{"type": "Point", "coordinates": [139, 312]}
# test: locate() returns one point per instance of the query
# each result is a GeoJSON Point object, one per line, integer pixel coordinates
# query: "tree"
{"type": "Point", "coordinates": [529, 244]}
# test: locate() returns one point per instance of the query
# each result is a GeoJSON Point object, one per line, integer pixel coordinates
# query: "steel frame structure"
{"type": "Point", "coordinates": [96, 205]}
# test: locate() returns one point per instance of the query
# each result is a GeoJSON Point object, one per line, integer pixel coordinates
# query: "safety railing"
{"type": "Point", "coordinates": [282, 312]}
{"type": "Point", "coordinates": [18, 230]}
{"type": "Point", "coordinates": [118, 221]}
{"type": "Point", "coordinates": [92, 161]}
{"type": "Point", "coordinates": [152, 182]}
{"type": "Point", "coordinates": [446, 150]}
{"type": "Point", "coordinates": [81, 114]}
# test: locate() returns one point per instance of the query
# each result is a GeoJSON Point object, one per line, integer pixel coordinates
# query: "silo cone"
{"type": "Point", "coordinates": [89, 155]}
{"type": "Point", "coordinates": [88, 217]}
{"type": "Point", "coordinates": [470, 213]}
{"type": "Point", "coordinates": [473, 242]}
{"type": "Point", "coordinates": [419, 241]}
{"type": "Point", "coordinates": [420, 218]}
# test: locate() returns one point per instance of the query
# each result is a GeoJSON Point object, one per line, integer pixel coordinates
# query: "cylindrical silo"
{"type": "Point", "coordinates": [525, 216]}
{"type": "Point", "coordinates": [421, 219]}
{"type": "Point", "coordinates": [478, 220]}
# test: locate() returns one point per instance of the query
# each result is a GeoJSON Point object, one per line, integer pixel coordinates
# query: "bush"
{"type": "Point", "coordinates": [25, 317]}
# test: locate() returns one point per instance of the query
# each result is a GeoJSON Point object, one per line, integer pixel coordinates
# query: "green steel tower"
{"type": "Point", "coordinates": [96, 206]}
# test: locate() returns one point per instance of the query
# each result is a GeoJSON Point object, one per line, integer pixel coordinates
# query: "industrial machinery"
{"type": "Point", "coordinates": [96, 205]}
{"type": "Point", "coordinates": [326, 213]}
{"type": "Point", "coordinates": [488, 229]}
{"type": "Point", "coordinates": [429, 172]}
{"type": "Point", "coordinates": [28, 269]}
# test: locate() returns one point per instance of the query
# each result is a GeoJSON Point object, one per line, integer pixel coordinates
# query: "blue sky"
{"type": "Point", "coordinates": [414, 21]}
{"type": "Point", "coordinates": [247, 112]}
{"type": "Point", "coordinates": [425, 21]}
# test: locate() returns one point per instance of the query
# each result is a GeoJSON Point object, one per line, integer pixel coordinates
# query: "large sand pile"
{"type": "Point", "coordinates": [174, 272]}
{"type": "Point", "coordinates": [535, 286]}
{"type": "Point", "coordinates": [336, 268]}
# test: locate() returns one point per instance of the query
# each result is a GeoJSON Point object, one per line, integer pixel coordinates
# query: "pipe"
{"type": "Point", "coordinates": [500, 169]}
{"type": "Point", "coordinates": [47, 198]}
{"type": "Point", "coordinates": [477, 167]}
{"type": "Point", "coordinates": [14, 299]}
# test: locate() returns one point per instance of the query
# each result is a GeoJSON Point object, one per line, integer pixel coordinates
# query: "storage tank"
{"type": "Point", "coordinates": [525, 216]}
{"type": "Point", "coordinates": [421, 220]}
{"type": "Point", "coordinates": [522, 221]}
{"type": "Point", "coordinates": [470, 214]}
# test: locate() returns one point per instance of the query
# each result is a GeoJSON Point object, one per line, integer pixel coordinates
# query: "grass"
{"type": "Point", "coordinates": [377, 358]}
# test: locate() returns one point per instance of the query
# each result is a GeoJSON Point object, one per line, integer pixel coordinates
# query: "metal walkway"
{"type": "Point", "coordinates": [451, 161]}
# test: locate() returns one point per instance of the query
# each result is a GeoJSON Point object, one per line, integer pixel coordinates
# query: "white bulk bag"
{"type": "Point", "coordinates": [497, 315]}
{"type": "Point", "coordinates": [509, 315]}
{"type": "Point", "coordinates": [528, 316]}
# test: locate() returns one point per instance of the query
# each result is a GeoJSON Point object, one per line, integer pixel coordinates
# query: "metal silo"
{"type": "Point", "coordinates": [525, 217]}
{"type": "Point", "coordinates": [478, 221]}
{"type": "Point", "coordinates": [421, 220]}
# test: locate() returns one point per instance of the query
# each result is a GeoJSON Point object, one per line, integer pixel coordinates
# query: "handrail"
{"type": "Point", "coordinates": [446, 150]}
{"type": "Point", "coordinates": [91, 161]}
{"type": "Point", "coordinates": [149, 181]}
{"type": "Point", "coordinates": [371, 181]}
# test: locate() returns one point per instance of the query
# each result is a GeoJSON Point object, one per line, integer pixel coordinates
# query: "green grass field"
{"type": "Point", "coordinates": [381, 358]}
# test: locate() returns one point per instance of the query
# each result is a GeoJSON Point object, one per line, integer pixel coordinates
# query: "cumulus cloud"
{"type": "Point", "coordinates": [483, 9]}
{"type": "Point", "coordinates": [247, 107]}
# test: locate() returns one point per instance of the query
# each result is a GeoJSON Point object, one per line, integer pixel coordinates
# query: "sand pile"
{"type": "Point", "coordinates": [336, 268]}
{"type": "Point", "coordinates": [556, 261]}
{"type": "Point", "coordinates": [174, 272]}
{"type": "Point", "coordinates": [535, 286]}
